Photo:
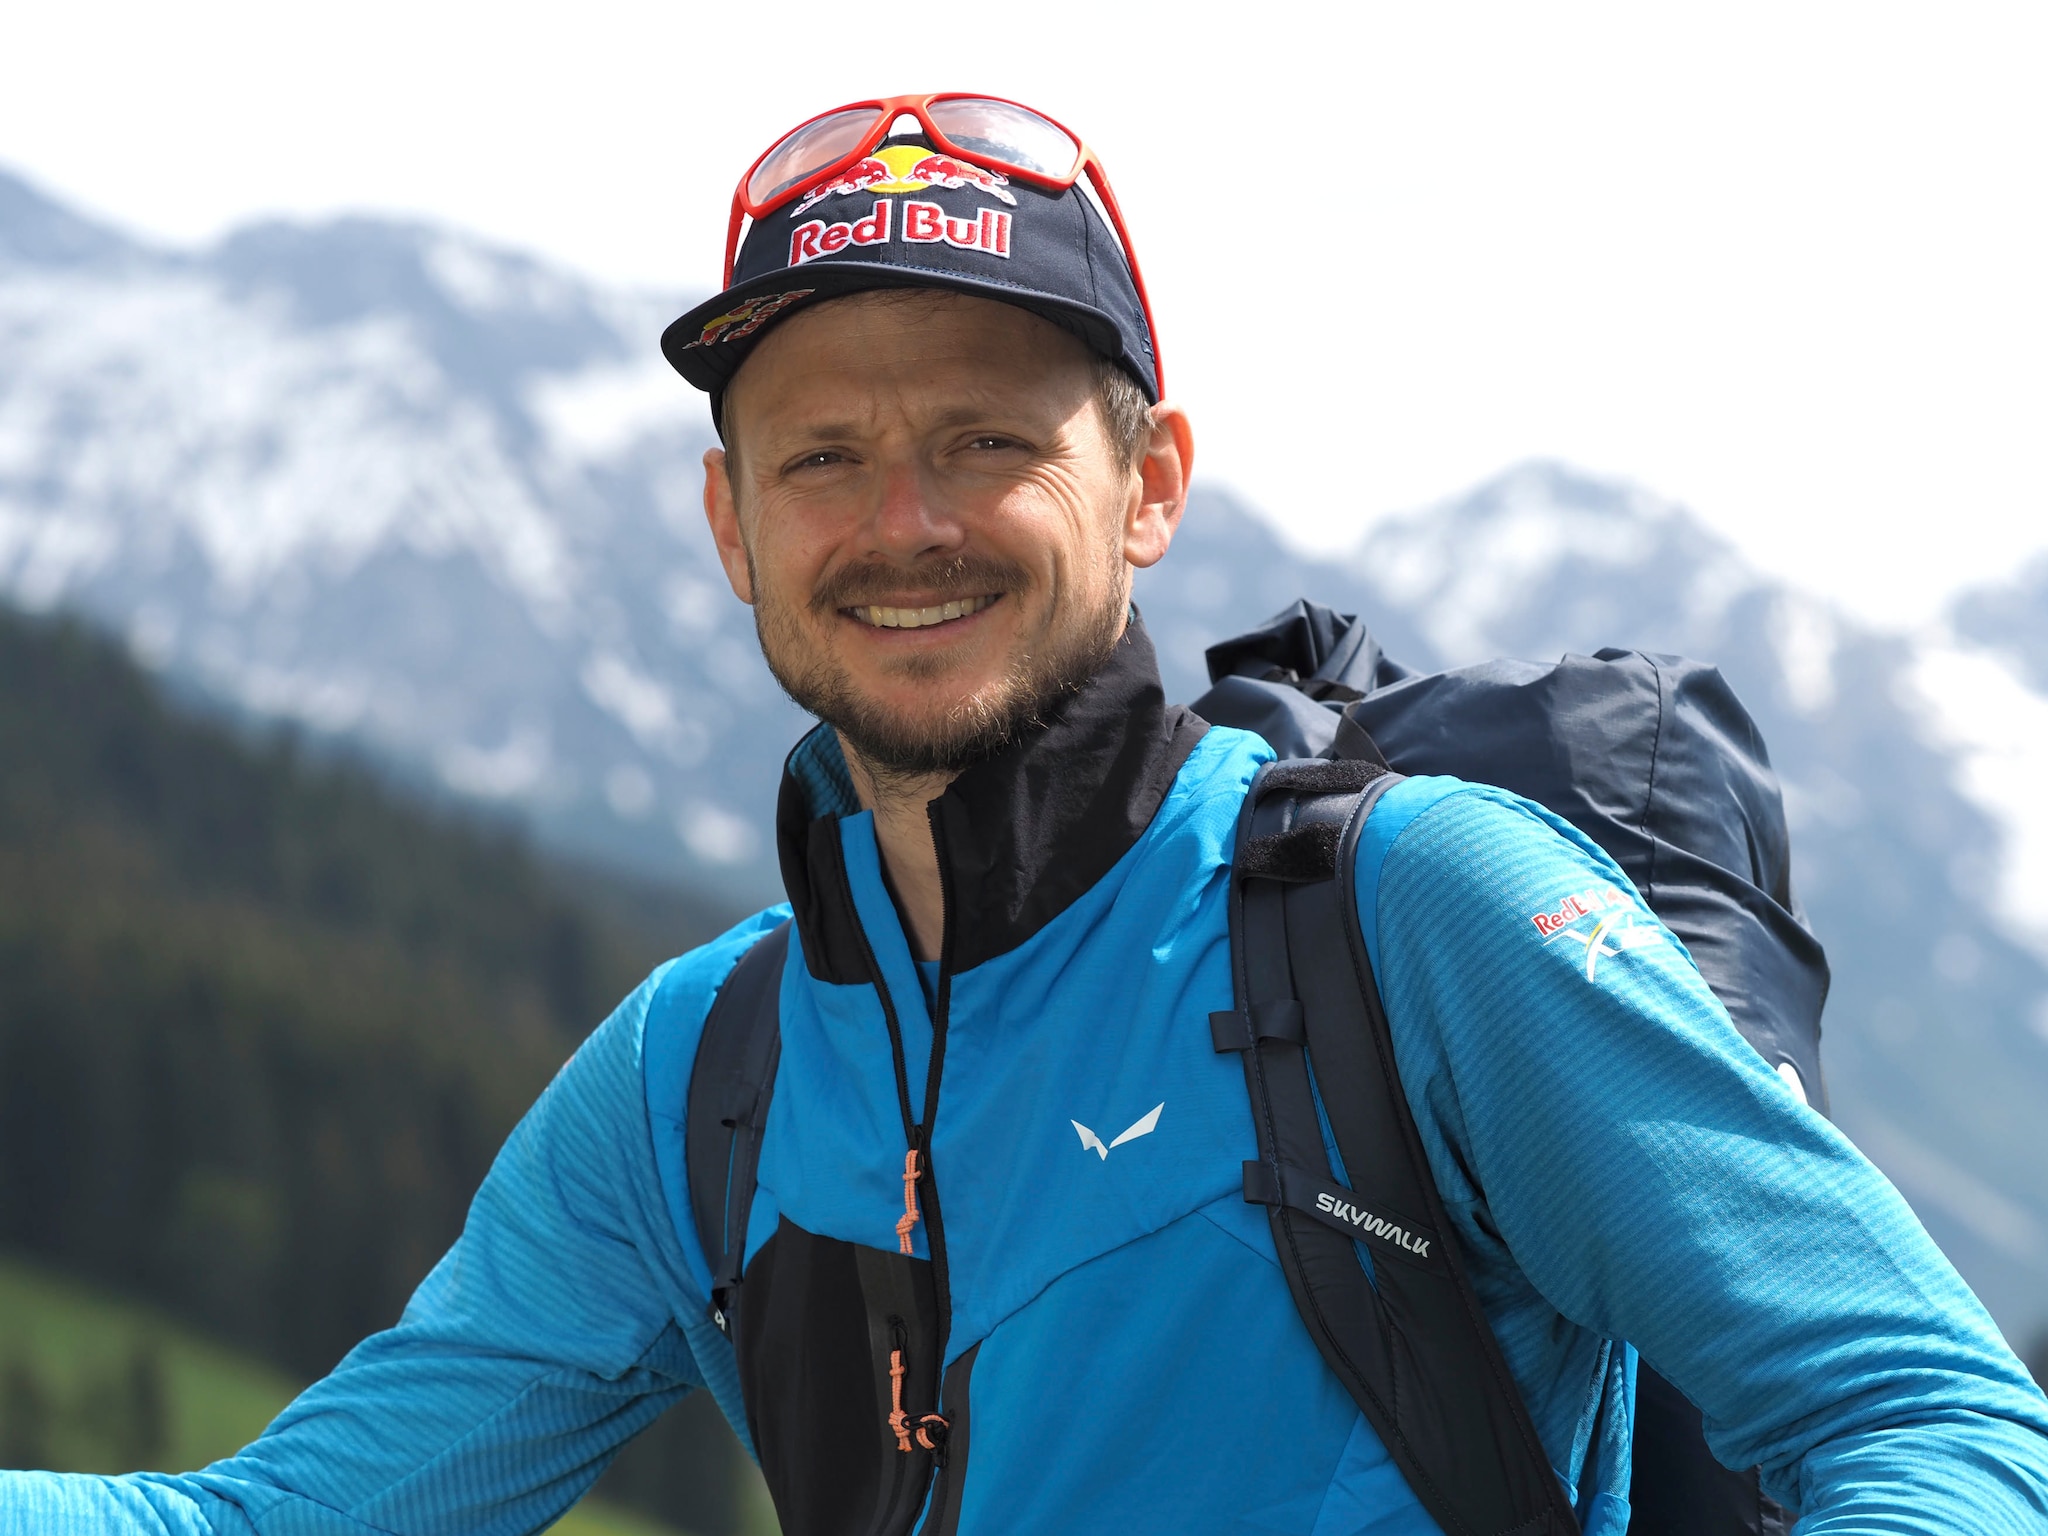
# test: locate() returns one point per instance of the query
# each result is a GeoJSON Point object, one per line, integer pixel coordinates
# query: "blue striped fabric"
{"type": "Point", "coordinates": [1647, 1177]}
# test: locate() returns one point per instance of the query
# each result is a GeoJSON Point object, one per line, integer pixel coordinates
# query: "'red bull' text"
{"type": "Point", "coordinates": [1601, 898]}
{"type": "Point", "coordinates": [923, 224]}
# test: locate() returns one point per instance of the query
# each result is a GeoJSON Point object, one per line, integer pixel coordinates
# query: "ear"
{"type": "Point", "coordinates": [721, 511]}
{"type": "Point", "coordinates": [1162, 492]}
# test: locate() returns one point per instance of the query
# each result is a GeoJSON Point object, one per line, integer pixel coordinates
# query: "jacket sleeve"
{"type": "Point", "coordinates": [1614, 1155]}
{"type": "Point", "coordinates": [541, 1342]}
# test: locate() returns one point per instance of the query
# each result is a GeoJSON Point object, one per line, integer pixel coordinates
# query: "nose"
{"type": "Point", "coordinates": [909, 522]}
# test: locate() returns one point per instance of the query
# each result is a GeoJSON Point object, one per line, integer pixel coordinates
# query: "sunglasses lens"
{"type": "Point", "coordinates": [809, 150]}
{"type": "Point", "coordinates": [1012, 134]}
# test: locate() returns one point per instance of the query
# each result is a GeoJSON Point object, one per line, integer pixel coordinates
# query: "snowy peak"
{"type": "Point", "coordinates": [490, 319]}
{"type": "Point", "coordinates": [1543, 555]}
{"type": "Point", "coordinates": [37, 231]}
{"type": "Point", "coordinates": [254, 440]}
{"type": "Point", "coordinates": [1544, 559]}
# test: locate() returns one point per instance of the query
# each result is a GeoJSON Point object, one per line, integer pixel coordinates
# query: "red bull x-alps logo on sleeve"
{"type": "Point", "coordinates": [897, 168]}
{"type": "Point", "coordinates": [1603, 918]}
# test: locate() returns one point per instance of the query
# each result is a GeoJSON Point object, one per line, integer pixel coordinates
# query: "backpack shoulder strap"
{"type": "Point", "coordinates": [1407, 1337]}
{"type": "Point", "coordinates": [726, 1112]}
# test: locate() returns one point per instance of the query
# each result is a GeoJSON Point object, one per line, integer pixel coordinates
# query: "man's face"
{"type": "Point", "coordinates": [924, 507]}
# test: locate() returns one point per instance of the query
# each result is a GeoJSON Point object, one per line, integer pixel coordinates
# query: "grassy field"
{"type": "Point", "coordinates": [91, 1383]}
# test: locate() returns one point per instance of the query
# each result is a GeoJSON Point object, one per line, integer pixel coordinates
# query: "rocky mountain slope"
{"type": "Point", "coordinates": [442, 499]}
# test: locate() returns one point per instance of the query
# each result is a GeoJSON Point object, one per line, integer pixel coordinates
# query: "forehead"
{"type": "Point", "coordinates": [905, 347]}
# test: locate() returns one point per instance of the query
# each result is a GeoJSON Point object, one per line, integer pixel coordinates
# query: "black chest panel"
{"type": "Point", "coordinates": [838, 1348]}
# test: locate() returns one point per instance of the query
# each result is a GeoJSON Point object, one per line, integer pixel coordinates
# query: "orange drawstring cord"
{"type": "Point", "coordinates": [908, 1219]}
{"type": "Point", "coordinates": [898, 1419]}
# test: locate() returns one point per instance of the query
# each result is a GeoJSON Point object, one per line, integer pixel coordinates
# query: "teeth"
{"type": "Point", "coordinates": [918, 618]}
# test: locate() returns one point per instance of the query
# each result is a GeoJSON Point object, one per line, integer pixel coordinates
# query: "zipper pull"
{"type": "Point", "coordinates": [908, 1220]}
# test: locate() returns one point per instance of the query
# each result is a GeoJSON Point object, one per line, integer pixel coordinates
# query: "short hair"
{"type": "Point", "coordinates": [1126, 413]}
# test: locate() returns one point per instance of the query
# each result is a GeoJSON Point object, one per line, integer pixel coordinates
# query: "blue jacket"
{"type": "Point", "coordinates": [1120, 1351]}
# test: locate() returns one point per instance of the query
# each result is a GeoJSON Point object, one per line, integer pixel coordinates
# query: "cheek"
{"type": "Point", "coordinates": [786, 562]}
{"type": "Point", "coordinates": [1094, 546]}
{"type": "Point", "coordinates": [1071, 526]}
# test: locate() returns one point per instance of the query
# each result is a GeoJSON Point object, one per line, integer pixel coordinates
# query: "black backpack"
{"type": "Point", "coordinates": [1650, 756]}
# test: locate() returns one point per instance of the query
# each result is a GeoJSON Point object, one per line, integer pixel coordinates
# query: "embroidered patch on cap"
{"type": "Point", "coordinates": [745, 319]}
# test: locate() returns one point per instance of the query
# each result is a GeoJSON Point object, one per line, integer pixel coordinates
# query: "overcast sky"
{"type": "Point", "coordinates": [1780, 262]}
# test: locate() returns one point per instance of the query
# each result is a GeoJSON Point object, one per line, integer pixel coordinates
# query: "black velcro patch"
{"type": "Point", "coordinates": [1320, 775]}
{"type": "Point", "coordinates": [1300, 856]}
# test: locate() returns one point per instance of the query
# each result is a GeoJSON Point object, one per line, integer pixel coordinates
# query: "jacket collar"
{"type": "Point", "coordinates": [1022, 833]}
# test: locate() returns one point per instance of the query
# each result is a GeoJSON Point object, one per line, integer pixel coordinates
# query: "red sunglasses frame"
{"type": "Point", "coordinates": [887, 109]}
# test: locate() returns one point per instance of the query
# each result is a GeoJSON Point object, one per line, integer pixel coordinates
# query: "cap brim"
{"type": "Point", "coordinates": [711, 365]}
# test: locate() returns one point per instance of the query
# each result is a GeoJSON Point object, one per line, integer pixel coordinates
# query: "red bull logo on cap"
{"type": "Point", "coordinates": [745, 319]}
{"type": "Point", "coordinates": [923, 224]}
{"type": "Point", "coordinates": [896, 168]}
{"type": "Point", "coordinates": [909, 168]}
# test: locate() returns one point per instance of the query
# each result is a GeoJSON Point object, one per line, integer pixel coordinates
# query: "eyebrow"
{"type": "Point", "coordinates": [825, 430]}
{"type": "Point", "coordinates": [966, 413]}
{"type": "Point", "coordinates": [961, 414]}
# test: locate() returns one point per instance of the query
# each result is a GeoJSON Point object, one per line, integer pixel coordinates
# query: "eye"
{"type": "Point", "coordinates": [992, 442]}
{"type": "Point", "coordinates": [817, 458]}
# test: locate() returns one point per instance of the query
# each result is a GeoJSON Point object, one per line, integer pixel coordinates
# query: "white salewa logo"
{"type": "Point", "coordinates": [1090, 1142]}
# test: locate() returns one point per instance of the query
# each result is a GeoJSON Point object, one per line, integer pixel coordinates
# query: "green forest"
{"type": "Point", "coordinates": [265, 1018]}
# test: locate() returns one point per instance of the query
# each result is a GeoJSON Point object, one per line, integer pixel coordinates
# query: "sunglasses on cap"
{"type": "Point", "coordinates": [979, 140]}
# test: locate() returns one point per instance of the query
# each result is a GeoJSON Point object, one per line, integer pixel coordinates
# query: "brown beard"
{"type": "Point", "coordinates": [975, 727]}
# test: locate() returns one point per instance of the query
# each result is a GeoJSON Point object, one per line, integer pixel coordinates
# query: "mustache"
{"type": "Point", "coordinates": [934, 582]}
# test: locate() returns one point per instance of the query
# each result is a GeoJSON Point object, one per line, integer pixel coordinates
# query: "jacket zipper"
{"type": "Point", "coordinates": [934, 1437]}
{"type": "Point", "coordinates": [922, 1134]}
{"type": "Point", "coordinates": [917, 1134]}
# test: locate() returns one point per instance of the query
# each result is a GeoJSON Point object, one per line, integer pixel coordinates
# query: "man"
{"type": "Point", "coordinates": [999, 1274]}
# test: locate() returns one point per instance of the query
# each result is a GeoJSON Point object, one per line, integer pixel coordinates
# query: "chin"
{"type": "Point", "coordinates": [933, 711]}
{"type": "Point", "coordinates": [915, 678]}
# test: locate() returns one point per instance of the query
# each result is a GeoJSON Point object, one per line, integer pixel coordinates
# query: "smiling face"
{"type": "Point", "coordinates": [924, 505]}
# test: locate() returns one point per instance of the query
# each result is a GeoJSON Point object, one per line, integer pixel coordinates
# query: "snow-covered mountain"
{"type": "Point", "coordinates": [441, 499]}
{"type": "Point", "coordinates": [402, 486]}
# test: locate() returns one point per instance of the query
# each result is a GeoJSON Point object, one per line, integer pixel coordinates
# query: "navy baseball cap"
{"type": "Point", "coordinates": [911, 217]}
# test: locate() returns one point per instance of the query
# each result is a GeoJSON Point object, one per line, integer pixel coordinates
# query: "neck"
{"type": "Point", "coordinates": [903, 833]}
